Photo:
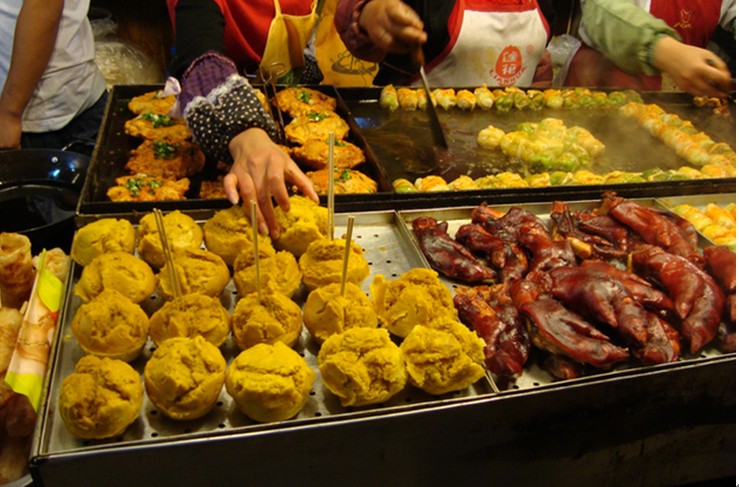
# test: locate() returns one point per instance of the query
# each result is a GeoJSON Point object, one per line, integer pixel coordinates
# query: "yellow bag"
{"type": "Point", "coordinates": [288, 36]}
{"type": "Point", "coordinates": [338, 66]}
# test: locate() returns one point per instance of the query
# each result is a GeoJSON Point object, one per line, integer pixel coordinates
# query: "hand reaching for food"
{"type": "Point", "coordinates": [392, 26]}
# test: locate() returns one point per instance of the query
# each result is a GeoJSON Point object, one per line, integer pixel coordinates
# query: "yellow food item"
{"type": "Point", "coordinates": [16, 269]}
{"type": "Point", "coordinates": [417, 297]}
{"type": "Point", "coordinates": [323, 261]}
{"type": "Point", "coordinates": [189, 316]}
{"type": "Point", "coordinates": [327, 311]}
{"type": "Point", "coordinates": [300, 100]}
{"type": "Point", "coordinates": [184, 377]}
{"type": "Point", "coordinates": [314, 154]}
{"type": "Point", "coordinates": [442, 357]}
{"type": "Point", "coordinates": [305, 222]}
{"type": "Point", "coordinates": [152, 102]}
{"type": "Point", "coordinates": [182, 232]}
{"type": "Point", "coordinates": [140, 187]}
{"type": "Point", "coordinates": [362, 366]}
{"type": "Point", "coordinates": [273, 318]}
{"type": "Point", "coordinates": [198, 271]}
{"type": "Point", "coordinates": [316, 125]}
{"type": "Point", "coordinates": [166, 159]}
{"type": "Point", "coordinates": [101, 236]}
{"type": "Point", "coordinates": [228, 232]}
{"type": "Point", "coordinates": [154, 126]}
{"type": "Point", "coordinates": [281, 269]}
{"type": "Point", "coordinates": [121, 271]}
{"type": "Point", "coordinates": [110, 325]}
{"type": "Point", "coordinates": [346, 181]}
{"type": "Point", "coordinates": [269, 382]}
{"type": "Point", "coordinates": [101, 398]}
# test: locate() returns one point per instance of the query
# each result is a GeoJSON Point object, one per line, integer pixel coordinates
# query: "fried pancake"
{"type": "Point", "coordinates": [212, 189]}
{"type": "Point", "coordinates": [144, 188]}
{"type": "Point", "coordinates": [173, 160]}
{"type": "Point", "coordinates": [153, 101]}
{"type": "Point", "coordinates": [296, 101]}
{"type": "Point", "coordinates": [314, 154]}
{"type": "Point", "coordinates": [153, 126]}
{"type": "Point", "coordinates": [316, 125]}
{"type": "Point", "coordinates": [345, 181]}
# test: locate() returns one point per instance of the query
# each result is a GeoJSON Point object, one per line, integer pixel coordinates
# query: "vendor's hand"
{"type": "Point", "coordinates": [392, 26]}
{"type": "Point", "coordinates": [10, 131]}
{"type": "Point", "coordinates": [694, 70]}
{"type": "Point", "coordinates": [259, 173]}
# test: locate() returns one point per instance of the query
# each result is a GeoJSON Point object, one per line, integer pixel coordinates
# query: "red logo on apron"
{"type": "Point", "coordinates": [508, 67]}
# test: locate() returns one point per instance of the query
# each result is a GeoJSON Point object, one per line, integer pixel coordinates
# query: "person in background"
{"type": "Point", "coordinates": [53, 93]}
{"type": "Point", "coordinates": [464, 43]}
{"type": "Point", "coordinates": [216, 43]}
{"type": "Point", "coordinates": [630, 43]}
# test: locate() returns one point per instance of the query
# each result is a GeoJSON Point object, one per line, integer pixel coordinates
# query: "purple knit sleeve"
{"type": "Point", "coordinates": [219, 104]}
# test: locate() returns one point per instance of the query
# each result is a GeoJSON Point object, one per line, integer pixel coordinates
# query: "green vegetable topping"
{"type": "Point", "coordinates": [304, 96]}
{"type": "Point", "coordinates": [164, 150]}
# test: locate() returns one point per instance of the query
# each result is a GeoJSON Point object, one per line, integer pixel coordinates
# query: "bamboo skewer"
{"type": "Point", "coordinates": [347, 250]}
{"type": "Point", "coordinates": [167, 251]}
{"type": "Point", "coordinates": [330, 196]}
{"type": "Point", "coordinates": [255, 236]}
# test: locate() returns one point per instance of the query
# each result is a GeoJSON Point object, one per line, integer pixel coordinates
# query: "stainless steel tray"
{"type": "Point", "coordinates": [607, 428]}
{"type": "Point", "coordinates": [388, 251]}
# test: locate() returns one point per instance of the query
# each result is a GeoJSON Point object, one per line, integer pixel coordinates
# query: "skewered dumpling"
{"type": "Point", "coordinates": [417, 297]}
{"type": "Point", "coordinates": [269, 382]}
{"type": "Point", "coordinates": [182, 232]}
{"type": "Point", "coordinates": [305, 222]}
{"type": "Point", "coordinates": [323, 261]}
{"type": "Point", "coordinates": [443, 356]}
{"type": "Point", "coordinates": [191, 315]}
{"type": "Point", "coordinates": [121, 271]}
{"type": "Point", "coordinates": [184, 377]}
{"type": "Point", "coordinates": [101, 398]}
{"type": "Point", "coordinates": [101, 236]}
{"type": "Point", "coordinates": [228, 232]}
{"type": "Point", "coordinates": [269, 318]}
{"type": "Point", "coordinates": [198, 271]}
{"type": "Point", "coordinates": [110, 325]}
{"type": "Point", "coordinates": [281, 269]}
{"type": "Point", "coordinates": [362, 366]}
{"type": "Point", "coordinates": [327, 311]}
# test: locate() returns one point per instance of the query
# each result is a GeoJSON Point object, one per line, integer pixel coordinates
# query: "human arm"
{"type": "Point", "coordinates": [226, 117]}
{"type": "Point", "coordinates": [372, 28]}
{"type": "Point", "coordinates": [35, 35]}
{"type": "Point", "coordinates": [637, 42]}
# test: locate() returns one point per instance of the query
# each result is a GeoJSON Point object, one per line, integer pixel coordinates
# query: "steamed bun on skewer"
{"type": "Point", "coordinates": [322, 263]}
{"type": "Point", "coordinates": [102, 236]}
{"type": "Point", "coordinates": [228, 233]}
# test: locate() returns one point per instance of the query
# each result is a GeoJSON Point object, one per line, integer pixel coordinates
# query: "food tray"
{"type": "Point", "coordinates": [388, 252]}
{"type": "Point", "coordinates": [114, 145]}
{"type": "Point", "coordinates": [401, 142]}
{"type": "Point", "coordinates": [417, 437]}
{"type": "Point", "coordinates": [699, 202]}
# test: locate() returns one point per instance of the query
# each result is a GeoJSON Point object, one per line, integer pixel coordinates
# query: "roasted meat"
{"type": "Point", "coordinates": [507, 342]}
{"type": "Point", "coordinates": [556, 329]}
{"type": "Point", "coordinates": [666, 230]}
{"type": "Point", "coordinates": [506, 257]}
{"type": "Point", "coordinates": [447, 255]}
{"type": "Point", "coordinates": [699, 302]}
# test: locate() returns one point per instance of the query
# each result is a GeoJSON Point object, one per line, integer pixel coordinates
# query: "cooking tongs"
{"type": "Point", "coordinates": [437, 132]}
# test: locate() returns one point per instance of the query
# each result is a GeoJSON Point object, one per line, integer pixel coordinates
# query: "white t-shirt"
{"type": "Point", "coordinates": [71, 82]}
